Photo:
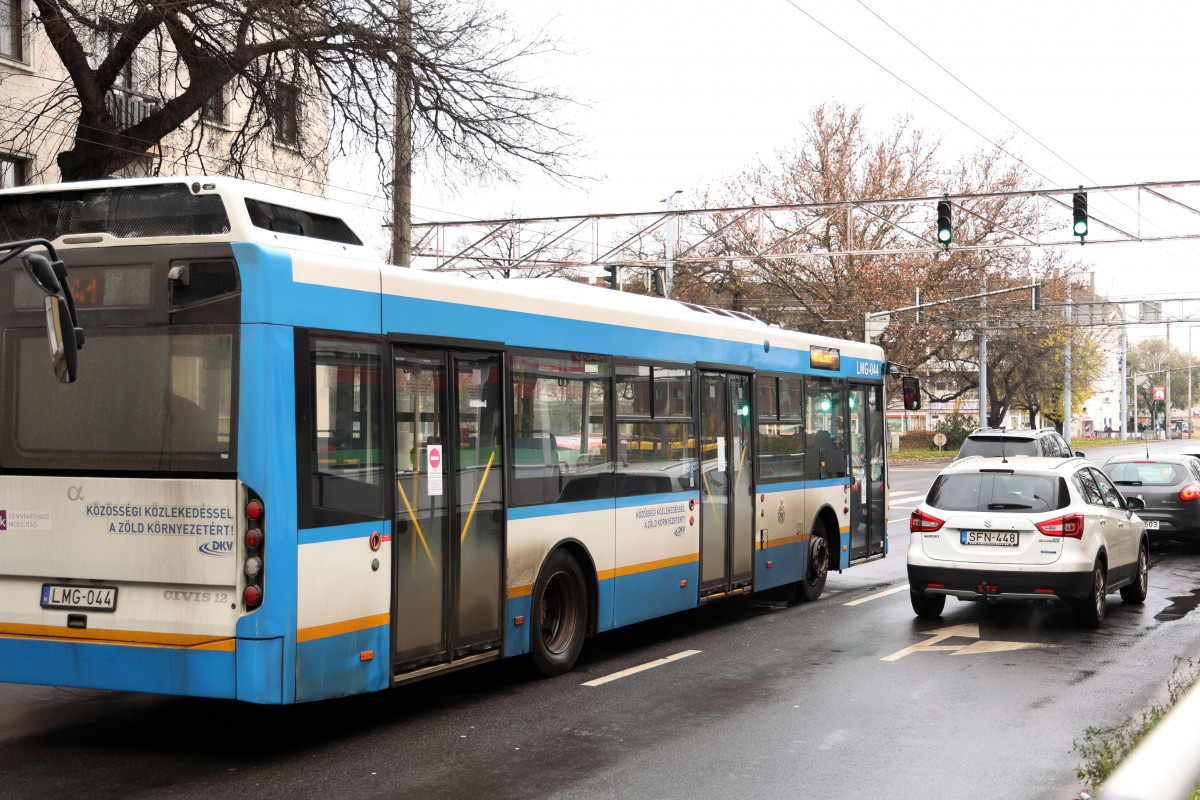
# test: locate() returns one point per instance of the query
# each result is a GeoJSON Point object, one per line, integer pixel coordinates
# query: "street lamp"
{"type": "Point", "coordinates": [669, 279]}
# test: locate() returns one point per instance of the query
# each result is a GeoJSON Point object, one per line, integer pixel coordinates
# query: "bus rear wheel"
{"type": "Point", "coordinates": [559, 615]}
{"type": "Point", "coordinates": [817, 569]}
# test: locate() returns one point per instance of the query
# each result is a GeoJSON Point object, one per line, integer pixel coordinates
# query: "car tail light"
{"type": "Point", "coordinates": [255, 563]}
{"type": "Point", "coordinates": [920, 521]}
{"type": "Point", "coordinates": [1070, 525]}
{"type": "Point", "coordinates": [1189, 492]}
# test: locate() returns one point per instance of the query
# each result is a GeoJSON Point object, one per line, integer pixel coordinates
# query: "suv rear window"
{"type": "Point", "coordinates": [996, 446]}
{"type": "Point", "coordinates": [1142, 474]}
{"type": "Point", "coordinates": [999, 491]}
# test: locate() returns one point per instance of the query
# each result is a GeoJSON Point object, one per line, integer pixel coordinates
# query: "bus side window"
{"type": "Point", "coordinates": [826, 456]}
{"type": "Point", "coordinates": [781, 443]}
{"type": "Point", "coordinates": [559, 429]}
{"type": "Point", "coordinates": [346, 406]}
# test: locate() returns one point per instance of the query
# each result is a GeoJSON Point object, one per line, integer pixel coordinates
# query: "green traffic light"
{"type": "Point", "coordinates": [944, 235]}
{"type": "Point", "coordinates": [1081, 227]}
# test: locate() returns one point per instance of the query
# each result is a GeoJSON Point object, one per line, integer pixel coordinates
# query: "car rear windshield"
{"type": "Point", "coordinates": [997, 446]}
{"type": "Point", "coordinates": [1147, 474]}
{"type": "Point", "coordinates": [998, 491]}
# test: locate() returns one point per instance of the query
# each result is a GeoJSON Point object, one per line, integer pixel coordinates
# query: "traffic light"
{"type": "Point", "coordinates": [1079, 211]}
{"type": "Point", "coordinates": [943, 222]}
{"type": "Point", "coordinates": [910, 388]}
{"type": "Point", "coordinates": [920, 308]}
{"type": "Point", "coordinates": [613, 277]}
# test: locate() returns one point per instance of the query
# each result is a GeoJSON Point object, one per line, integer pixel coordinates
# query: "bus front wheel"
{"type": "Point", "coordinates": [559, 615]}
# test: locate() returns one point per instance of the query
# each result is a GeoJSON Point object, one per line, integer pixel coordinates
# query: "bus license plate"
{"type": "Point", "coordinates": [91, 598]}
{"type": "Point", "coordinates": [1000, 538]}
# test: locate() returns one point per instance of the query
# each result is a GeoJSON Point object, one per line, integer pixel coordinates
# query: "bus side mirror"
{"type": "Point", "coordinates": [911, 388]}
{"type": "Point", "coordinates": [41, 272]}
{"type": "Point", "coordinates": [60, 331]}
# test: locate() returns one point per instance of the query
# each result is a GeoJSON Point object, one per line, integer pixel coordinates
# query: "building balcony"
{"type": "Point", "coordinates": [129, 107]}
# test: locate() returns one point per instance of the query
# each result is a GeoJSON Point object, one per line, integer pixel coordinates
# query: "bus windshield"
{"type": "Point", "coordinates": [154, 400]}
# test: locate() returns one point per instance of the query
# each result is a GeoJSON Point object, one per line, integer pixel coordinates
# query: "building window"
{"type": "Point", "coordinates": [214, 108]}
{"type": "Point", "coordinates": [11, 40]}
{"type": "Point", "coordinates": [14, 171]}
{"type": "Point", "coordinates": [287, 114]}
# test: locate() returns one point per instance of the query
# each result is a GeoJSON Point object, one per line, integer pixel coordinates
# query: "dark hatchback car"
{"type": "Point", "coordinates": [1005, 442]}
{"type": "Point", "coordinates": [1170, 487]}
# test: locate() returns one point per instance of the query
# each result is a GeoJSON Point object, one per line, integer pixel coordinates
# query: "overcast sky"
{"type": "Point", "coordinates": [679, 94]}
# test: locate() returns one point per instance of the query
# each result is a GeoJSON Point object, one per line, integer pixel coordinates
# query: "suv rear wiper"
{"type": "Point", "coordinates": [998, 506]}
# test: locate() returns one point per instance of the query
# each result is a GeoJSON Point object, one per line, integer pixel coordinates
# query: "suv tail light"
{"type": "Point", "coordinates": [1189, 492]}
{"type": "Point", "coordinates": [1070, 525]}
{"type": "Point", "coordinates": [920, 521]}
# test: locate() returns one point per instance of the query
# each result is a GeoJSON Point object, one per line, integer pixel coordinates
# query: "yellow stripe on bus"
{"type": "Point", "coordinates": [799, 537]}
{"type": "Point", "coordinates": [608, 574]}
{"type": "Point", "coordinates": [140, 638]}
{"type": "Point", "coordinates": [346, 626]}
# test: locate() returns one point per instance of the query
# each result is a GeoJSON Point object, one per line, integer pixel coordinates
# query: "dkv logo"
{"type": "Point", "coordinates": [220, 548]}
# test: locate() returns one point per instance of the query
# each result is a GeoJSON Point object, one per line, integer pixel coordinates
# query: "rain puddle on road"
{"type": "Point", "coordinates": [1180, 606]}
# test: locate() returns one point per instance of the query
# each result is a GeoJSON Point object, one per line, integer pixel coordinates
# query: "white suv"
{"type": "Point", "coordinates": [1053, 529]}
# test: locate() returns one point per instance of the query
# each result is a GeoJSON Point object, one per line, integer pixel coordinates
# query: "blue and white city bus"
{"type": "Point", "coordinates": [287, 471]}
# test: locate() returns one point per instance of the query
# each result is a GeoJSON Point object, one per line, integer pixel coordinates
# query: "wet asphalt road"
{"type": "Point", "coordinates": [820, 700]}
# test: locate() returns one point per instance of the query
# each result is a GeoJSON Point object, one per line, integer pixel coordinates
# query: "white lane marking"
{"type": "Point", "coordinates": [642, 668]}
{"type": "Point", "coordinates": [895, 495]}
{"type": "Point", "coordinates": [969, 631]}
{"type": "Point", "coordinates": [903, 508]}
{"type": "Point", "coordinates": [876, 596]}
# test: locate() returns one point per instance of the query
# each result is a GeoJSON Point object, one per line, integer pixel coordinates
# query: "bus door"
{"type": "Point", "coordinates": [867, 511]}
{"type": "Point", "coordinates": [449, 528]}
{"type": "Point", "coordinates": [726, 485]}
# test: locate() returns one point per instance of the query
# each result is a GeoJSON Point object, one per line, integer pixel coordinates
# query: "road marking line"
{"type": "Point", "coordinates": [894, 495]}
{"type": "Point", "coordinates": [969, 631]}
{"type": "Point", "coordinates": [869, 598]}
{"type": "Point", "coordinates": [632, 670]}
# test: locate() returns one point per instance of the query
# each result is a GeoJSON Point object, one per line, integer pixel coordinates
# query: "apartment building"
{"type": "Point", "coordinates": [36, 119]}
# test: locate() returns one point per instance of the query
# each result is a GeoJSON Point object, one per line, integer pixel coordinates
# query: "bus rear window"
{"type": "Point", "coordinates": [126, 213]}
{"type": "Point", "coordinates": [151, 401]}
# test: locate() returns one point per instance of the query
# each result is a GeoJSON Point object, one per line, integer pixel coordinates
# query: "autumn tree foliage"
{"type": "Point", "coordinates": [1150, 356]}
{"type": "Point", "coordinates": [837, 167]}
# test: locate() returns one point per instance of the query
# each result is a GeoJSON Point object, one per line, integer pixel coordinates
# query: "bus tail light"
{"type": "Point", "coordinates": [1070, 526]}
{"type": "Point", "coordinates": [920, 521]}
{"type": "Point", "coordinates": [255, 563]}
{"type": "Point", "coordinates": [1189, 492]}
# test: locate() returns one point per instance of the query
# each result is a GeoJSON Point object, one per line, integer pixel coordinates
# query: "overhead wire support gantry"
{"type": "Point", "coordinates": [620, 239]}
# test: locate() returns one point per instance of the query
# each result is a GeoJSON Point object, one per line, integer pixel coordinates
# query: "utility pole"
{"type": "Point", "coordinates": [1167, 413]}
{"type": "Point", "coordinates": [669, 277]}
{"type": "Point", "coordinates": [1189, 414]}
{"type": "Point", "coordinates": [1124, 368]}
{"type": "Point", "coordinates": [402, 154]}
{"type": "Point", "coordinates": [1067, 377]}
{"type": "Point", "coordinates": [983, 392]}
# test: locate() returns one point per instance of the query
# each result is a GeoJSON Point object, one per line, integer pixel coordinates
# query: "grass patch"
{"type": "Point", "coordinates": [1103, 749]}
